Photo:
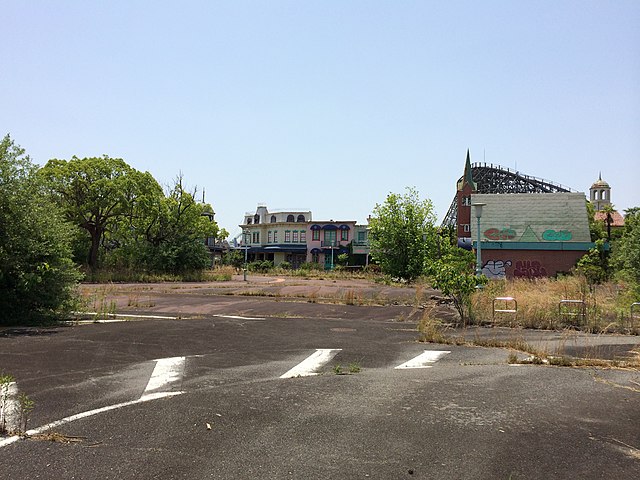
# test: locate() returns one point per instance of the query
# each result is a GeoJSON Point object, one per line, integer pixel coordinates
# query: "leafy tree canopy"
{"type": "Point", "coordinates": [128, 220]}
{"type": "Point", "coordinates": [403, 235]}
{"type": "Point", "coordinates": [97, 193]}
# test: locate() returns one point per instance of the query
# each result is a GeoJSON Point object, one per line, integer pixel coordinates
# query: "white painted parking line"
{"type": "Point", "coordinates": [168, 371]}
{"type": "Point", "coordinates": [236, 317]}
{"type": "Point", "coordinates": [57, 423]}
{"type": "Point", "coordinates": [312, 364]}
{"type": "Point", "coordinates": [424, 359]}
{"type": "Point", "coordinates": [117, 317]}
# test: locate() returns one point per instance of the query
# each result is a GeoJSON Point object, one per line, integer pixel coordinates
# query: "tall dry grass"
{"type": "Point", "coordinates": [607, 306]}
{"type": "Point", "coordinates": [217, 274]}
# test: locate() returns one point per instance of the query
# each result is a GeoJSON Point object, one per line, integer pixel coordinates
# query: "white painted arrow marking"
{"type": "Point", "coordinates": [167, 371]}
{"type": "Point", "coordinates": [424, 359]}
{"type": "Point", "coordinates": [312, 364]}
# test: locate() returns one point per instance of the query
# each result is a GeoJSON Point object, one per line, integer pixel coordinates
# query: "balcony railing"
{"type": "Point", "coordinates": [330, 244]}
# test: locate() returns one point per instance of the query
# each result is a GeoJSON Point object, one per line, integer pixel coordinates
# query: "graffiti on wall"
{"type": "Point", "coordinates": [500, 234]}
{"type": "Point", "coordinates": [529, 269]}
{"type": "Point", "coordinates": [496, 269]}
{"type": "Point", "coordinates": [506, 233]}
{"type": "Point", "coordinates": [555, 236]}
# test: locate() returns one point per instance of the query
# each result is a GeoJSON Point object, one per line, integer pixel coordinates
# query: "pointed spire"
{"type": "Point", "coordinates": [468, 178]}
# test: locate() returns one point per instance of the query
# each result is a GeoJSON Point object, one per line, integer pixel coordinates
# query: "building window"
{"type": "Point", "coordinates": [316, 235]}
{"type": "Point", "coordinates": [362, 236]}
{"type": "Point", "coordinates": [269, 236]}
{"type": "Point", "coordinates": [256, 219]}
{"type": "Point", "coordinates": [256, 237]}
{"type": "Point", "coordinates": [275, 236]}
{"type": "Point", "coordinates": [248, 220]}
{"type": "Point", "coordinates": [287, 236]}
{"type": "Point", "coordinates": [330, 237]}
{"type": "Point", "coordinates": [290, 218]}
{"type": "Point", "coordinates": [295, 236]}
{"type": "Point", "coordinates": [273, 219]}
{"type": "Point", "coordinates": [344, 235]}
{"type": "Point", "coordinates": [466, 201]}
{"type": "Point", "coordinates": [301, 218]}
{"type": "Point", "coordinates": [466, 227]}
{"type": "Point", "coordinates": [303, 236]}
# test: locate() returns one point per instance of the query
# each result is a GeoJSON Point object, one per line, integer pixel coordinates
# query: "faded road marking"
{"type": "Point", "coordinates": [167, 372]}
{"type": "Point", "coordinates": [311, 364]}
{"type": "Point", "coordinates": [424, 359]}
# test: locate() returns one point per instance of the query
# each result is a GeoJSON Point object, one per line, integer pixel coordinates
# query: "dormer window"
{"type": "Point", "coordinates": [301, 218]}
{"type": "Point", "coordinates": [273, 219]}
{"type": "Point", "coordinates": [256, 219]}
{"type": "Point", "coordinates": [290, 218]}
{"type": "Point", "coordinates": [248, 220]}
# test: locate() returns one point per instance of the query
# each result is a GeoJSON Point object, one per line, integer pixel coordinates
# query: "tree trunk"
{"type": "Point", "coordinates": [96, 236]}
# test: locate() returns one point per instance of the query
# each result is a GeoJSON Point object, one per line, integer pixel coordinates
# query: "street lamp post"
{"type": "Point", "coordinates": [478, 207]}
{"type": "Point", "coordinates": [246, 248]}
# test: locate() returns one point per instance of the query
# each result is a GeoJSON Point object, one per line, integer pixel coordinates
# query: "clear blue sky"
{"type": "Point", "coordinates": [328, 105]}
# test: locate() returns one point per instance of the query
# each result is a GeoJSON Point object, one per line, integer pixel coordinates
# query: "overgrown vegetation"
{"type": "Point", "coordinates": [433, 330]}
{"type": "Point", "coordinates": [37, 274]}
{"type": "Point", "coordinates": [454, 275]}
{"type": "Point", "coordinates": [125, 220]}
{"type": "Point", "coordinates": [606, 306]}
{"type": "Point", "coordinates": [403, 235]}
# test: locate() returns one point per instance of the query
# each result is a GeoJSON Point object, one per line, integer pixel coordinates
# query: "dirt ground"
{"type": "Point", "coordinates": [268, 295]}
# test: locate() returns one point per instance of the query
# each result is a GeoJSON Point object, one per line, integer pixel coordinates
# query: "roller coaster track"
{"type": "Point", "coordinates": [496, 179]}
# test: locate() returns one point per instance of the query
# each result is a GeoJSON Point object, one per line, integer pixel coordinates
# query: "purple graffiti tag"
{"type": "Point", "coordinates": [529, 269]}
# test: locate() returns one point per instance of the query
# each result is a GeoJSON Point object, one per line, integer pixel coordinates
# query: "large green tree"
{"type": "Point", "coordinates": [129, 222]}
{"type": "Point", "coordinates": [37, 275]}
{"type": "Point", "coordinates": [97, 194]}
{"type": "Point", "coordinates": [402, 234]}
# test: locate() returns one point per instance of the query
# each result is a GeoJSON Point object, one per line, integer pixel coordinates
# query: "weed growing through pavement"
{"type": "Point", "coordinates": [354, 367]}
{"type": "Point", "coordinates": [26, 406]}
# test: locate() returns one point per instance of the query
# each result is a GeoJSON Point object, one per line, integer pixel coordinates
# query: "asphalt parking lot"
{"type": "Point", "coordinates": [208, 393]}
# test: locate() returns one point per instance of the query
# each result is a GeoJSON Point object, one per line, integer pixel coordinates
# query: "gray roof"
{"type": "Point", "coordinates": [532, 217]}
